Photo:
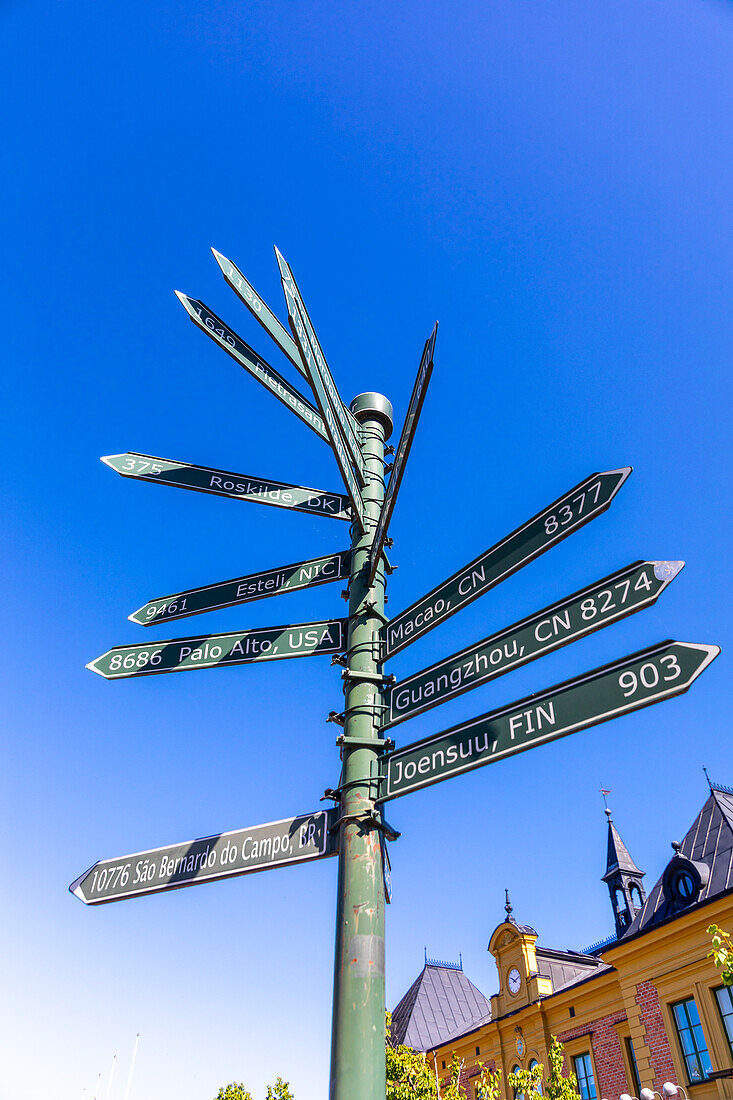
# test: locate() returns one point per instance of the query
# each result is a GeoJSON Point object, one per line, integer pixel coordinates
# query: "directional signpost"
{"type": "Point", "coordinates": [637, 681]}
{"type": "Point", "coordinates": [372, 770]}
{"type": "Point", "coordinates": [241, 647]}
{"type": "Point", "coordinates": [636, 587]}
{"type": "Point", "coordinates": [255, 586]}
{"type": "Point", "coordinates": [570, 512]}
{"type": "Point", "coordinates": [276, 844]}
{"type": "Point", "coordinates": [222, 483]}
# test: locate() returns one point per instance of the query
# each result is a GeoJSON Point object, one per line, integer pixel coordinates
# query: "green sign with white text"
{"type": "Point", "coordinates": [259, 309]}
{"type": "Point", "coordinates": [259, 848]}
{"type": "Point", "coordinates": [244, 355]}
{"type": "Point", "coordinates": [256, 586]}
{"type": "Point", "coordinates": [637, 681]}
{"type": "Point", "coordinates": [241, 647]}
{"type": "Point", "coordinates": [570, 512]}
{"type": "Point", "coordinates": [631, 589]}
{"type": "Point", "coordinates": [222, 483]}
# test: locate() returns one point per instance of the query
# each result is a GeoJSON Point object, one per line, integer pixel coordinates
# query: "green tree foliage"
{"type": "Point", "coordinates": [722, 953]}
{"type": "Point", "coordinates": [527, 1083]}
{"type": "Point", "coordinates": [234, 1091]}
{"type": "Point", "coordinates": [488, 1084]}
{"type": "Point", "coordinates": [279, 1091]}
{"type": "Point", "coordinates": [559, 1087]}
{"type": "Point", "coordinates": [409, 1076]}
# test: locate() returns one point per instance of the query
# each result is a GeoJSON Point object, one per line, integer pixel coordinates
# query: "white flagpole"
{"type": "Point", "coordinates": [111, 1075]}
{"type": "Point", "coordinates": [132, 1066]}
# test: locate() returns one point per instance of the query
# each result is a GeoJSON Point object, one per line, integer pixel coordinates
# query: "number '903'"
{"type": "Point", "coordinates": [664, 670]}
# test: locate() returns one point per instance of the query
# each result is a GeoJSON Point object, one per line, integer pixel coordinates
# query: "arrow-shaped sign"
{"type": "Point", "coordinates": [243, 354]}
{"type": "Point", "coordinates": [275, 844]}
{"type": "Point", "coordinates": [337, 442]}
{"type": "Point", "coordinates": [223, 483]}
{"type": "Point", "coordinates": [403, 450]}
{"type": "Point", "coordinates": [631, 589]}
{"type": "Point", "coordinates": [636, 681]}
{"type": "Point", "coordinates": [568, 513]}
{"type": "Point", "coordinates": [315, 363]}
{"type": "Point", "coordinates": [256, 586]}
{"type": "Point", "coordinates": [259, 309]}
{"type": "Point", "coordinates": [241, 647]}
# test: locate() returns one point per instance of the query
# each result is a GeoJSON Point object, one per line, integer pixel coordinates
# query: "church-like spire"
{"type": "Point", "coordinates": [618, 857]}
{"type": "Point", "coordinates": [623, 877]}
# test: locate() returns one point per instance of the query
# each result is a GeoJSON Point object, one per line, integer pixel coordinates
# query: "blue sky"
{"type": "Point", "coordinates": [550, 180]}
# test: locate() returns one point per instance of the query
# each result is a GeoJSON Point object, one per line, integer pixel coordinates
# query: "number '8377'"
{"type": "Point", "coordinates": [566, 513]}
{"type": "Point", "coordinates": [652, 674]}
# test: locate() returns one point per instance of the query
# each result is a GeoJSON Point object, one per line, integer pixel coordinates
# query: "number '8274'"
{"type": "Point", "coordinates": [651, 675]}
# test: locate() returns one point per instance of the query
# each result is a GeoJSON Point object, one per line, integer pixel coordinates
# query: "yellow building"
{"type": "Point", "coordinates": [640, 1009]}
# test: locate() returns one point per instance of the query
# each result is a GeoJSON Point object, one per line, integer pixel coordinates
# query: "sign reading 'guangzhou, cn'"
{"type": "Point", "coordinates": [636, 681]}
{"type": "Point", "coordinates": [570, 512]}
{"type": "Point", "coordinates": [631, 589]}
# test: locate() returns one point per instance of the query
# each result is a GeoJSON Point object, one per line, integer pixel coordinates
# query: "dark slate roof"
{"type": "Point", "coordinates": [709, 841]}
{"type": "Point", "coordinates": [564, 968]}
{"type": "Point", "coordinates": [617, 856]}
{"type": "Point", "coordinates": [438, 1005]}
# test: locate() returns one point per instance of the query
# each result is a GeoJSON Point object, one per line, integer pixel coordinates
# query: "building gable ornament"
{"type": "Point", "coordinates": [506, 939]}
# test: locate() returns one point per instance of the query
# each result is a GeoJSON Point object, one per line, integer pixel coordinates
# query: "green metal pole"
{"type": "Point", "coordinates": [357, 1044]}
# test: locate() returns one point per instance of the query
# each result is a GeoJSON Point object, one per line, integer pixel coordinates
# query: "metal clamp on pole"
{"type": "Point", "coordinates": [337, 659]}
{"type": "Point", "coordinates": [365, 742]}
{"type": "Point", "coordinates": [367, 817]}
{"type": "Point", "coordinates": [370, 677]}
{"type": "Point", "coordinates": [334, 716]}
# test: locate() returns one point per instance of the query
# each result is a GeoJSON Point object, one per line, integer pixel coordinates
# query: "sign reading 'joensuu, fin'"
{"type": "Point", "coordinates": [568, 513]}
{"type": "Point", "coordinates": [258, 848]}
{"type": "Point", "coordinates": [636, 681]}
{"type": "Point", "coordinates": [222, 483]}
{"type": "Point", "coordinates": [253, 363]}
{"type": "Point", "coordinates": [255, 586]}
{"type": "Point", "coordinates": [631, 589]}
{"type": "Point", "coordinates": [241, 647]}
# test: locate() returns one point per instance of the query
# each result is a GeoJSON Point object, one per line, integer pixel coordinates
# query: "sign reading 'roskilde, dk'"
{"type": "Point", "coordinates": [546, 529]}
{"type": "Point", "coordinates": [276, 844]}
{"type": "Point", "coordinates": [242, 647]}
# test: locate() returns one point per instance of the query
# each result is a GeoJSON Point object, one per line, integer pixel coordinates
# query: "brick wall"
{"type": "Point", "coordinates": [647, 999]}
{"type": "Point", "coordinates": [606, 1046]}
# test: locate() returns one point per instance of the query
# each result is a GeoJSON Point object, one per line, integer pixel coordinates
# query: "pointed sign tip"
{"type": "Point", "coordinates": [93, 668]}
{"type": "Point", "coordinates": [667, 570]}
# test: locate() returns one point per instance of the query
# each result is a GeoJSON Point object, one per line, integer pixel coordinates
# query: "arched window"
{"type": "Point", "coordinates": [532, 1065]}
{"type": "Point", "coordinates": [635, 895]}
{"type": "Point", "coordinates": [619, 900]}
{"type": "Point", "coordinates": [517, 1094]}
